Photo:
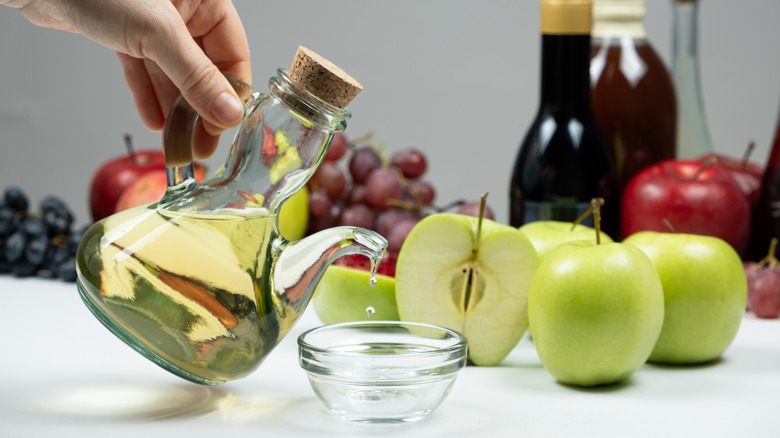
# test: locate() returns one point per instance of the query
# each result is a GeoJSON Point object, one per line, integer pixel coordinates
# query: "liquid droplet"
{"type": "Point", "coordinates": [374, 265]}
{"type": "Point", "coordinates": [370, 311]}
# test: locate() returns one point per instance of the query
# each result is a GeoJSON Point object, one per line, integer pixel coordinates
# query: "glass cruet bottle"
{"type": "Point", "coordinates": [201, 282]}
{"type": "Point", "coordinates": [693, 133]}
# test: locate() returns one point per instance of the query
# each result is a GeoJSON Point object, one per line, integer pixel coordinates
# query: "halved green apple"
{"type": "Point", "coordinates": [344, 294]}
{"type": "Point", "coordinates": [453, 273]}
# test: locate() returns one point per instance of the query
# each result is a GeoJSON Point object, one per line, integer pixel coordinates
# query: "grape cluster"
{"type": "Point", "coordinates": [44, 244]}
{"type": "Point", "coordinates": [358, 185]}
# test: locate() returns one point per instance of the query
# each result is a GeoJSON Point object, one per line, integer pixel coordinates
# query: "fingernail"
{"type": "Point", "coordinates": [227, 109]}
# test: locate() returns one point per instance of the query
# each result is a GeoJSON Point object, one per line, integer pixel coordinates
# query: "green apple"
{"type": "Point", "coordinates": [472, 278]}
{"type": "Point", "coordinates": [344, 294]}
{"type": "Point", "coordinates": [294, 215]}
{"type": "Point", "coordinates": [595, 312]}
{"type": "Point", "coordinates": [705, 291]}
{"type": "Point", "coordinates": [546, 235]}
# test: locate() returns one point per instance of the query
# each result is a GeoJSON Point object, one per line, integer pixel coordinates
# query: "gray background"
{"type": "Point", "coordinates": [456, 78]}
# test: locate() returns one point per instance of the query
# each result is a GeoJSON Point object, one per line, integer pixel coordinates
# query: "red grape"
{"type": "Point", "coordinates": [382, 187]}
{"type": "Point", "coordinates": [356, 195]}
{"type": "Point", "coordinates": [338, 147]}
{"type": "Point", "coordinates": [319, 203]}
{"type": "Point", "coordinates": [385, 220]}
{"type": "Point", "coordinates": [472, 209]}
{"type": "Point", "coordinates": [411, 162]}
{"type": "Point", "coordinates": [397, 235]}
{"type": "Point", "coordinates": [763, 281]}
{"type": "Point", "coordinates": [331, 178]}
{"type": "Point", "coordinates": [422, 193]}
{"type": "Point", "coordinates": [357, 215]}
{"type": "Point", "coordinates": [364, 161]}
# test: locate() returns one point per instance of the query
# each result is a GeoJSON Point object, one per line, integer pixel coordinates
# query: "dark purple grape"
{"type": "Point", "coordinates": [54, 258]}
{"type": "Point", "coordinates": [15, 199]}
{"type": "Point", "coordinates": [36, 249]}
{"type": "Point", "coordinates": [319, 203]}
{"type": "Point", "coordinates": [411, 162]}
{"type": "Point", "coordinates": [14, 246]}
{"type": "Point", "coordinates": [23, 268]}
{"type": "Point", "coordinates": [5, 265]}
{"type": "Point", "coordinates": [67, 270]}
{"type": "Point", "coordinates": [33, 227]}
{"type": "Point", "coordinates": [383, 187]}
{"type": "Point", "coordinates": [329, 177]}
{"type": "Point", "coordinates": [363, 162]}
{"type": "Point", "coordinates": [357, 215]}
{"type": "Point", "coordinates": [7, 222]}
{"type": "Point", "coordinates": [338, 147]}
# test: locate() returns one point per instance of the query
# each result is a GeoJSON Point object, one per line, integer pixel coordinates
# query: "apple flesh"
{"type": "Point", "coordinates": [453, 273]}
{"type": "Point", "coordinates": [344, 294]}
{"type": "Point", "coordinates": [693, 199]}
{"type": "Point", "coordinates": [595, 312]}
{"type": "Point", "coordinates": [546, 235]}
{"type": "Point", "coordinates": [705, 292]}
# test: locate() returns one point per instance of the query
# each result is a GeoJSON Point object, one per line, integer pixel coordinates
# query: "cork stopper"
{"type": "Point", "coordinates": [323, 79]}
{"type": "Point", "coordinates": [566, 17]}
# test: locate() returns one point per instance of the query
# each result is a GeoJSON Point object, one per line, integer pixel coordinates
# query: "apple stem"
{"type": "Point", "coordinates": [129, 146]}
{"type": "Point", "coordinates": [668, 225]}
{"type": "Point", "coordinates": [770, 260]}
{"type": "Point", "coordinates": [748, 152]}
{"type": "Point", "coordinates": [706, 165]}
{"type": "Point", "coordinates": [595, 205]}
{"type": "Point", "coordinates": [582, 217]}
{"type": "Point", "coordinates": [478, 235]}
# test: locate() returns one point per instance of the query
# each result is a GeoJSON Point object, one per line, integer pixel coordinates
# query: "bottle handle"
{"type": "Point", "coordinates": [177, 136]}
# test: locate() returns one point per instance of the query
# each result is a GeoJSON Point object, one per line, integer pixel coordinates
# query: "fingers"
{"type": "Point", "coordinates": [143, 91]}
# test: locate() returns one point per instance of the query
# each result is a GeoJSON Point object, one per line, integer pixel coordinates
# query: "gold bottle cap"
{"type": "Point", "coordinates": [323, 79]}
{"type": "Point", "coordinates": [566, 17]}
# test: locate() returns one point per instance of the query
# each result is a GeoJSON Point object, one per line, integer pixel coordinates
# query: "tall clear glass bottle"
{"type": "Point", "coordinates": [633, 96]}
{"type": "Point", "coordinates": [693, 133]}
{"type": "Point", "coordinates": [563, 161]}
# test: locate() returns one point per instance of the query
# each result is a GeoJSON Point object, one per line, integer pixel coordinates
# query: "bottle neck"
{"type": "Point", "coordinates": [619, 19]}
{"type": "Point", "coordinates": [685, 20]}
{"type": "Point", "coordinates": [565, 74]}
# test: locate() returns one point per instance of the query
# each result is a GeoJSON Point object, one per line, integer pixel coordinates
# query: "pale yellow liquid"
{"type": "Point", "coordinates": [192, 293]}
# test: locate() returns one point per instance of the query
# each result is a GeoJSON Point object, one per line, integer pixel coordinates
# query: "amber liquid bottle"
{"type": "Point", "coordinates": [766, 212]}
{"type": "Point", "coordinates": [563, 161]}
{"type": "Point", "coordinates": [633, 94]}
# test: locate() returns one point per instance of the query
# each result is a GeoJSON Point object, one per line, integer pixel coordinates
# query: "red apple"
{"type": "Point", "coordinates": [150, 187]}
{"type": "Point", "coordinates": [746, 174]}
{"type": "Point", "coordinates": [693, 197]}
{"type": "Point", "coordinates": [113, 177]}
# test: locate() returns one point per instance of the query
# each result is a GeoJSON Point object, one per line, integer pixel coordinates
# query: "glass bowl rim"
{"type": "Point", "coordinates": [460, 344]}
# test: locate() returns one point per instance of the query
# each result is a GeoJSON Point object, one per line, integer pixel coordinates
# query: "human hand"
{"type": "Point", "coordinates": [165, 47]}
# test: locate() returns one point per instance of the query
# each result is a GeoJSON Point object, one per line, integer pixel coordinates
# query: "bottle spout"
{"type": "Point", "coordinates": [301, 264]}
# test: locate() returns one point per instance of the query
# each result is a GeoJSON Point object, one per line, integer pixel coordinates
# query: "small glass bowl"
{"type": "Point", "coordinates": [382, 371]}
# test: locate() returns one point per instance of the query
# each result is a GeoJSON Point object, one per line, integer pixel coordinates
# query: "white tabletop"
{"type": "Point", "coordinates": [64, 375]}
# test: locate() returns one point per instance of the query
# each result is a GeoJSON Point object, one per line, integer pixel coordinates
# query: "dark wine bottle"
{"type": "Point", "coordinates": [563, 161]}
{"type": "Point", "coordinates": [765, 222]}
